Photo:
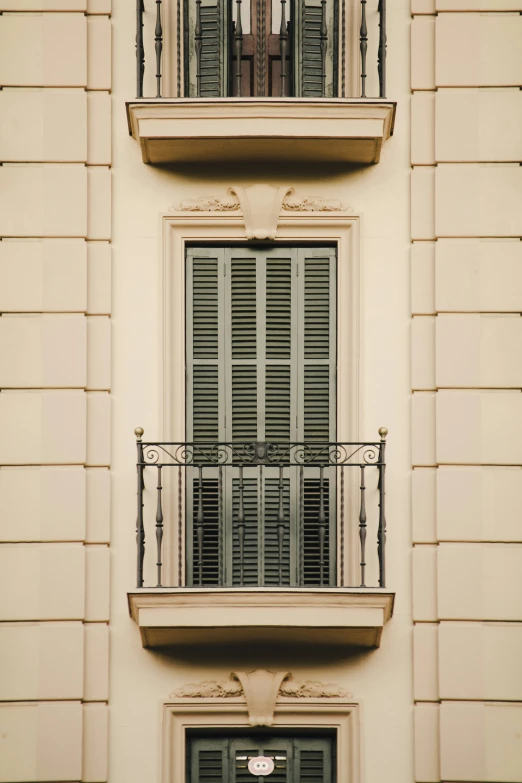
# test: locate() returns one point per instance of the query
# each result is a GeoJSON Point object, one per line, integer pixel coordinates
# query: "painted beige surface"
{"type": "Point", "coordinates": [40, 728]}
{"type": "Point", "coordinates": [55, 269]}
{"type": "Point", "coordinates": [43, 275]}
{"type": "Point", "coordinates": [480, 741]}
{"type": "Point", "coordinates": [57, 218]}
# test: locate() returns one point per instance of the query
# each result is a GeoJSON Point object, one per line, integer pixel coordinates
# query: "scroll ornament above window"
{"type": "Point", "coordinates": [261, 206]}
{"type": "Point", "coordinates": [261, 690]}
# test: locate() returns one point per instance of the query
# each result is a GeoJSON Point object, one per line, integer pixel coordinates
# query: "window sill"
{"type": "Point", "coordinates": [345, 617]}
{"type": "Point", "coordinates": [228, 130]}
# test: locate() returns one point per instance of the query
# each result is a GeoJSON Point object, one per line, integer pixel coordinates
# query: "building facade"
{"type": "Point", "coordinates": [260, 466]}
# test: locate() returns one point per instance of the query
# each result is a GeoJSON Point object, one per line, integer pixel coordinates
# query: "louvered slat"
{"type": "Point", "coordinates": [211, 547]}
{"type": "Point", "coordinates": [210, 70]}
{"type": "Point", "coordinates": [317, 308]}
{"type": "Point", "coordinates": [312, 763]}
{"type": "Point", "coordinates": [278, 393]}
{"type": "Point", "coordinates": [244, 308]}
{"type": "Point", "coordinates": [244, 403]}
{"type": "Point", "coordinates": [205, 305]}
{"type": "Point", "coordinates": [208, 760]}
{"type": "Point", "coordinates": [205, 403]}
{"type": "Point", "coordinates": [251, 545]}
{"type": "Point", "coordinates": [309, 34]}
{"type": "Point", "coordinates": [271, 542]}
{"type": "Point", "coordinates": [311, 51]}
{"type": "Point", "coordinates": [317, 413]}
{"type": "Point", "coordinates": [278, 308]}
{"type": "Point", "coordinates": [311, 550]}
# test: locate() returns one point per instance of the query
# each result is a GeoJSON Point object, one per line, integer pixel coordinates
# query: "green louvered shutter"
{"type": "Point", "coordinates": [205, 397]}
{"type": "Point", "coordinates": [214, 26]}
{"type": "Point", "coordinates": [318, 404]}
{"type": "Point", "coordinates": [308, 32]}
{"type": "Point", "coordinates": [261, 366]}
{"type": "Point", "coordinates": [296, 759]}
{"type": "Point", "coordinates": [208, 760]}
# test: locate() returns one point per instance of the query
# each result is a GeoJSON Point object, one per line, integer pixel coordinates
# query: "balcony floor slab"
{"type": "Point", "coordinates": [227, 130]}
{"type": "Point", "coordinates": [343, 617]}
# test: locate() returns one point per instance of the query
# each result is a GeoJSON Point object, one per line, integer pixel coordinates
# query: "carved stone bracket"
{"type": "Point", "coordinates": [228, 203]}
{"type": "Point", "coordinates": [261, 206]}
{"type": "Point", "coordinates": [261, 690]}
{"type": "Point", "coordinates": [294, 203]}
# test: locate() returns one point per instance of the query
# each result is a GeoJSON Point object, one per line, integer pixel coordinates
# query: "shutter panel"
{"type": "Point", "coordinates": [214, 33]}
{"type": "Point", "coordinates": [261, 366]}
{"type": "Point", "coordinates": [209, 760]}
{"type": "Point", "coordinates": [251, 541]}
{"type": "Point", "coordinates": [273, 574]}
{"type": "Point", "coordinates": [314, 760]}
{"type": "Point", "coordinates": [297, 759]}
{"type": "Point", "coordinates": [318, 352]}
{"type": "Point", "coordinates": [308, 36]}
{"type": "Point", "coordinates": [204, 401]}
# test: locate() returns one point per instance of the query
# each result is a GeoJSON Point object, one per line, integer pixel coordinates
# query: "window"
{"type": "Point", "coordinates": [261, 367]}
{"type": "Point", "coordinates": [295, 759]}
{"type": "Point", "coordinates": [266, 48]}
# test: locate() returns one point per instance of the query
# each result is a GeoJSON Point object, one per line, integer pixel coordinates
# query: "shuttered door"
{"type": "Point", "coordinates": [296, 759]}
{"type": "Point", "coordinates": [261, 366]}
{"type": "Point", "coordinates": [309, 30]}
{"type": "Point", "coordinates": [213, 41]}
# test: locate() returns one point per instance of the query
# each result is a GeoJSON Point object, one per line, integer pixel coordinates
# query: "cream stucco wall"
{"type": "Point", "coordinates": [66, 342]}
{"type": "Point", "coordinates": [381, 680]}
{"type": "Point", "coordinates": [466, 258]}
{"type": "Point", "coordinates": [55, 347]}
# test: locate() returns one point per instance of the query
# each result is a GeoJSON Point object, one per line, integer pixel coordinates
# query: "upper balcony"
{"type": "Point", "coordinates": [281, 81]}
{"type": "Point", "coordinates": [261, 542]}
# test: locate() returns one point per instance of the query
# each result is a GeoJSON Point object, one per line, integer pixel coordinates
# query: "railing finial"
{"type": "Point", "coordinates": [139, 433]}
{"type": "Point", "coordinates": [383, 431]}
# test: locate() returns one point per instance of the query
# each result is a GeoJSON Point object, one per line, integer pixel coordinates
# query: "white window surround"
{"type": "Point", "coordinates": [177, 230]}
{"type": "Point", "coordinates": [182, 715]}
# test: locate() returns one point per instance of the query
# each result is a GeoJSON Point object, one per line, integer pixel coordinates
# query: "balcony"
{"type": "Point", "coordinates": [267, 542]}
{"type": "Point", "coordinates": [243, 93]}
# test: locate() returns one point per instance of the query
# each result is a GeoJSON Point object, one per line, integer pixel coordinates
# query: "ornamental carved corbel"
{"type": "Point", "coordinates": [227, 203]}
{"type": "Point", "coordinates": [294, 203]}
{"type": "Point", "coordinates": [261, 690]}
{"type": "Point", "coordinates": [210, 689]}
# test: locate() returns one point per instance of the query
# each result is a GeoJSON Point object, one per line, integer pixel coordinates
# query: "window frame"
{"type": "Point", "coordinates": [321, 228]}
{"type": "Point", "coordinates": [182, 716]}
{"type": "Point", "coordinates": [348, 65]}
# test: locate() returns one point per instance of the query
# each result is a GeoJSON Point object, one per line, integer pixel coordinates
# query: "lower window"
{"type": "Point", "coordinates": [259, 756]}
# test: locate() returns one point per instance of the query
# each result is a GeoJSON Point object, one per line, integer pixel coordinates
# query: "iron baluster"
{"type": "Point", "coordinates": [159, 47]}
{"type": "Point", "coordinates": [221, 579]}
{"type": "Point", "coordinates": [301, 525]}
{"type": "Point", "coordinates": [342, 527]}
{"type": "Point", "coordinates": [140, 51]}
{"type": "Point", "coordinates": [241, 527]}
{"type": "Point", "coordinates": [238, 49]}
{"type": "Point", "coordinates": [281, 525]}
{"type": "Point", "coordinates": [381, 56]}
{"type": "Point", "coordinates": [200, 521]}
{"type": "Point", "coordinates": [180, 527]}
{"type": "Point", "coordinates": [159, 527]}
{"type": "Point", "coordinates": [322, 525]}
{"type": "Point", "coordinates": [363, 35]}
{"type": "Point", "coordinates": [283, 46]}
{"type": "Point", "coordinates": [198, 35]}
{"type": "Point", "coordinates": [381, 536]}
{"type": "Point", "coordinates": [140, 530]}
{"type": "Point", "coordinates": [362, 528]}
{"type": "Point", "coordinates": [324, 43]}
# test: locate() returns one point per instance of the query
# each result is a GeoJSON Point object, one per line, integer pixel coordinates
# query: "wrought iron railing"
{"type": "Point", "coordinates": [238, 46]}
{"type": "Point", "coordinates": [263, 514]}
